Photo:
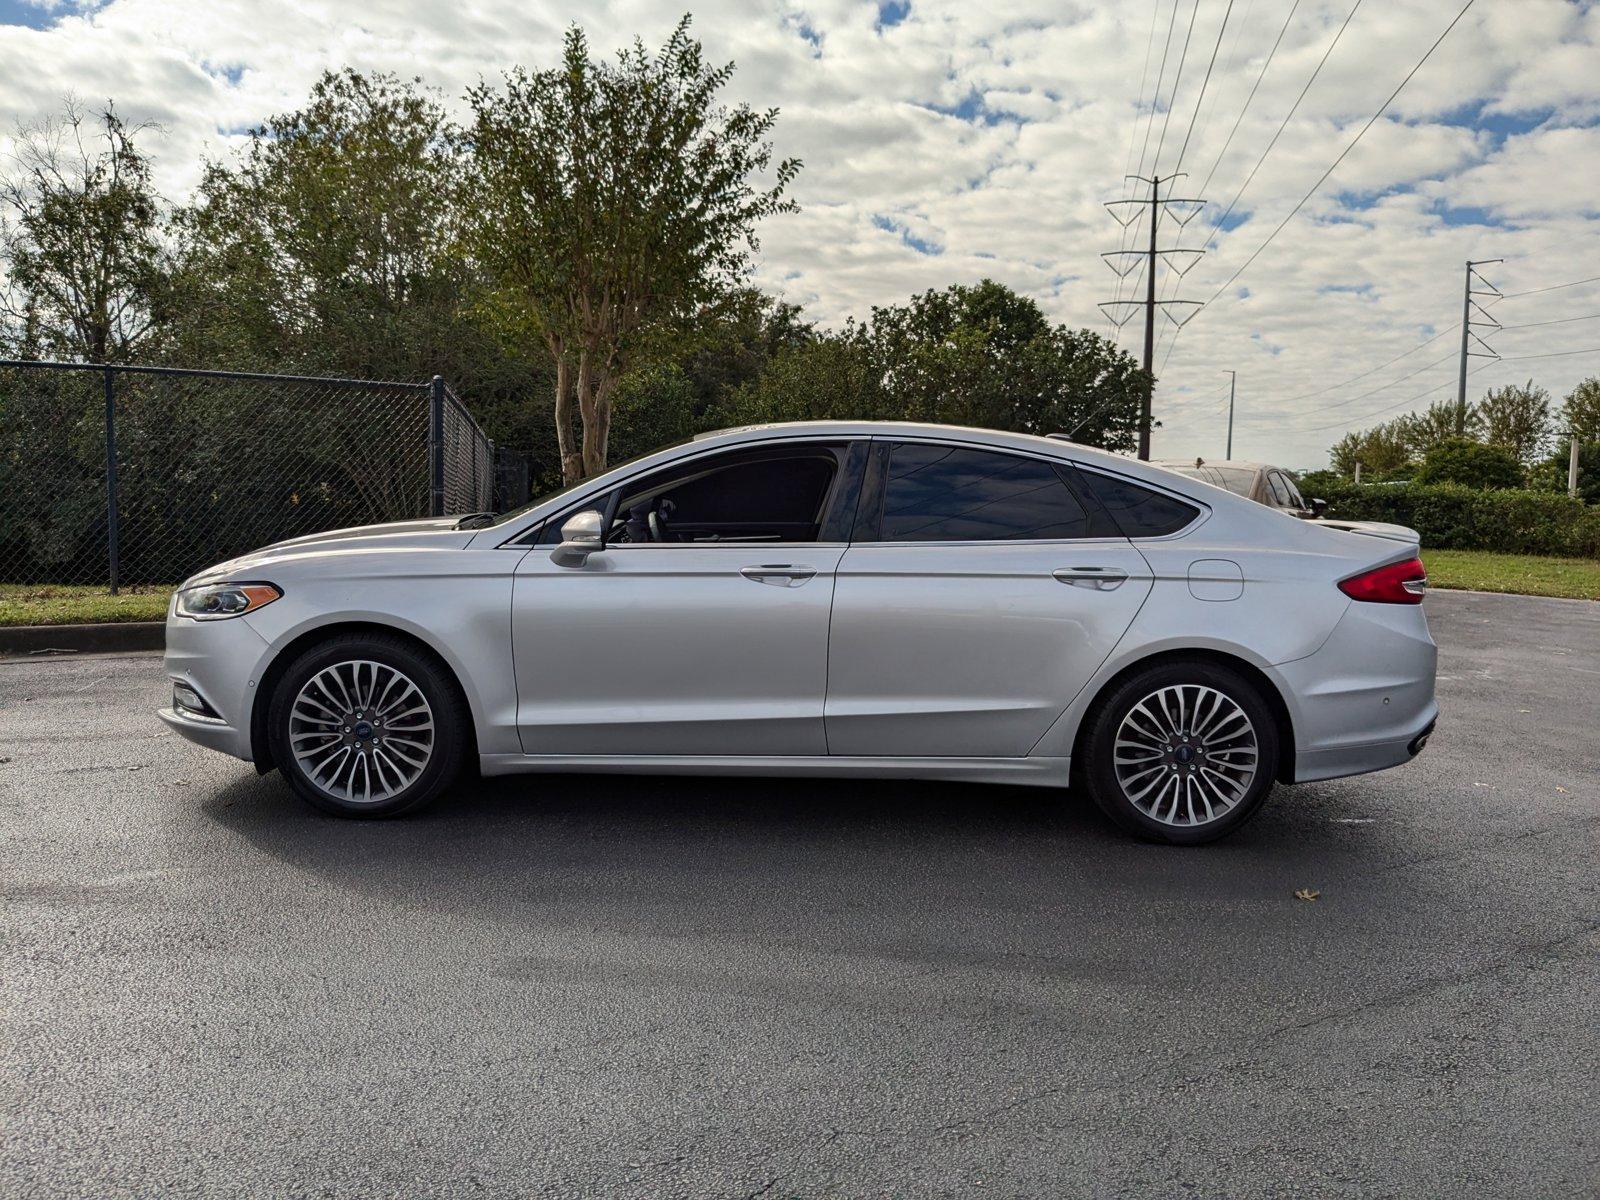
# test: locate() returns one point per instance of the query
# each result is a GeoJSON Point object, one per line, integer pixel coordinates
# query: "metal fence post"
{"type": "Point", "coordinates": [112, 514]}
{"type": "Point", "coordinates": [436, 447]}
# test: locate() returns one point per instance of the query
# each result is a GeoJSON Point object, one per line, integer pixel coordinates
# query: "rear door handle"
{"type": "Point", "coordinates": [778, 574]}
{"type": "Point", "coordinates": [1099, 579]}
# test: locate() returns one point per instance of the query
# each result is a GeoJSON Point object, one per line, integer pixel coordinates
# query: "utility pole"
{"type": "Point", "coordinates": [1233, 381]}
{"type": "Point", "coordinates": [1116, 258]}
{"type": "Point", "coordinates": [1572, 469]}
{"type": "Point", "coordinates": [1150, 321]}
{"type": "Point", "coordinates": [1467, 305]}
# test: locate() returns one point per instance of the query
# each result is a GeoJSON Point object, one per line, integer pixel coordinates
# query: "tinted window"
{"type": "Point", "coordinates": [1295, 499]}
{"type": "Point", "coordinates": [1138, 511]}
{"type": "Point", "coordinates": [1280, 490]}
{"type": "Point", "coordinates": [945, 494]}
{"type": "Point", "coordinates": [736, 497]}
{"type": "Point", "coordinates": [1237, 480]}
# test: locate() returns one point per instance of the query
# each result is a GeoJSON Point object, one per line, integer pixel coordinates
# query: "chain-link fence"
{"type": "Point", "coordinates": [143, 475]}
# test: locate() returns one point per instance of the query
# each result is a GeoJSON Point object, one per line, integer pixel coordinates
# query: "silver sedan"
{"type": "Point", "coordinates": [891, 601]}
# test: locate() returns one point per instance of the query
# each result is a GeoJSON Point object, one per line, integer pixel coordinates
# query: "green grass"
{"type": "Point", "coordinates": [53, 604]}
{"type": "Point", "coordinates": [1524, 574]}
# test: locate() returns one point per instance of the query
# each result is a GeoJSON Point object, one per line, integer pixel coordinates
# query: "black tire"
{"type": "Point", "coordinates": [1098, 768]}
{"type": "Point", "coordinates": [383, 657]}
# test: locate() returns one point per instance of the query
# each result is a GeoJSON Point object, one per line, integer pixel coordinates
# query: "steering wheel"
{"type": "Point", "coordinates": [660, 531]}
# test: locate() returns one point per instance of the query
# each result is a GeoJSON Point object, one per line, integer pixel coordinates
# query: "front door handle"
{"type": "Point", "coordinates": [778, 574]}
{"type": "Point", "coordinates": [1099, 579]}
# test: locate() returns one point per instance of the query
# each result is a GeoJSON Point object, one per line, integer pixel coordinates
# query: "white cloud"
{"type": "Point", "coordinates": [991, 134]}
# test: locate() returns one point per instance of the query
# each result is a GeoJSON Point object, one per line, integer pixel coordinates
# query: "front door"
{"type": "Point", "coordinates": [702, 626]}
{"type": "Point", "coordinates": [976, 607]}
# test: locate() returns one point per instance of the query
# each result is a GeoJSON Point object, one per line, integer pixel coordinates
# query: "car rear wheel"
{"type": "Point", "coordinates": [367, 726]}
{"type": "Point", "coordinates": [1182, 752]}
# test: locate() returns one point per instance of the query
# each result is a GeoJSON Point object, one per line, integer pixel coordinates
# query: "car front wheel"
{"type": "Point", "coordinates": [367, 726]}
{"type": "Point", "coordinates": [1182, 752]}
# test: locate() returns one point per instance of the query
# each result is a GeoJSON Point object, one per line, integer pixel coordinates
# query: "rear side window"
{"type": "Point", "coordinates": [1237, 480]}
{"type": "Point", "coordinates": [948, 494]}
{"type": "Point", "coordinates": [1138, 511]}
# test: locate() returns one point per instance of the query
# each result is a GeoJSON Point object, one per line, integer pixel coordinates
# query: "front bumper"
{"type": "Point", "coordinates": [222, 661]}
{"type": "Point", "coordinates": [1365, 700]}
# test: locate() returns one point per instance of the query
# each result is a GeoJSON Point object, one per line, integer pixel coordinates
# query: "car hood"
{"type": "Point", "coordinates": [1382, 529]}
{"type": "Point", "coordinates": [426, 534]}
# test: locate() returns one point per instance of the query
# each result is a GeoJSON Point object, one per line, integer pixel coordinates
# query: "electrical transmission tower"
{"type": "Point", "coordinates": [1485, 321]}
{"type": "Point", "coordinates": [1125, 262]}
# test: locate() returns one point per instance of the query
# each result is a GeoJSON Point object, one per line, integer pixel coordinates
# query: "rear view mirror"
{"type": "Point", "coordinates": [1318, 507]}
{"type": "Point", "coordinates": [582, 535]}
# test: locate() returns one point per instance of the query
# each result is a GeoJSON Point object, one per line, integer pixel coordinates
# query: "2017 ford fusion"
{"type": "Point", "coordinates": [825, 599]}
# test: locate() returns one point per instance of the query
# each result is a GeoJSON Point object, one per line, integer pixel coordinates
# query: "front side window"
{"type": "Point", "coordinates": [1138, 511]}
{"type": "Point", "coordinates": [741, 496]}
{"type": "Point", "coordinates": [1280, 490]}
{"type": "Point", "coordinates": [952, 494]}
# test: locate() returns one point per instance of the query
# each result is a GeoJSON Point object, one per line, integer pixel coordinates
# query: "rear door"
{"type": "Point", "coordinates": [981, 592]}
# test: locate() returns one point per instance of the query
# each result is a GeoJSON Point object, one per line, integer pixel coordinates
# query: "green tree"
{"type": "Point", "coordinates": [611, 202]}
{"type": "Point", "coordinates": [330, 244]}
{"type": "Point", "coordinates": [1518, 418]}
{"type": "Point", "coordinates": [1437, 423]}
{"type": "Point", "coordinates": [1380, 451]}
{"type": "Point", "coordinates": [1472, 464]}
{"type": "Point", "coordinates": [81, 240]}
{"type": "Point", "coordinates": [1580, 413]}
{"type": "Point", "coordinates": [967, 355]}
{"type": "Point", "coordinates": [1551, 474]}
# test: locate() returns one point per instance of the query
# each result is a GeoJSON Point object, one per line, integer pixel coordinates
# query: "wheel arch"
{"type": "Point", "coordinates": [1263, 683]}
{"type": "Point", "coordinates": [285, 655]}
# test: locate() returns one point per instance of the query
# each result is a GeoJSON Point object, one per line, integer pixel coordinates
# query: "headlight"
{"type": "Point", "coordinates": [218, 601]}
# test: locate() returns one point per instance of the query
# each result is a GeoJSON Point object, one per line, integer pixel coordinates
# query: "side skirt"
{"type": "Point", "coordinates": [1029, 772]}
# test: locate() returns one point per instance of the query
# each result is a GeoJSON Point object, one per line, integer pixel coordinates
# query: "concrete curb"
{"type": "Point", "coordinates": [21, 641]}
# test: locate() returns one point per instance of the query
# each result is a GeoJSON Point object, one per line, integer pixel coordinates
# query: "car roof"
{"type": "Point", "coordinates": [1239, 463]}
{"type": "Point", "coordinates": [1053, 444]}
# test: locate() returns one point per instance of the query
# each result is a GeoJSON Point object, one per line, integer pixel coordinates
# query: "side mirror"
{"type": "Point", "coordinates": [1318, 507]}
{"type": "Point", "coordinates": [581, 536]}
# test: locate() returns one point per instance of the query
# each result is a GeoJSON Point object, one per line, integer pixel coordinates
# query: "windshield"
{"type": "Point", "coordinates": [513, 514]}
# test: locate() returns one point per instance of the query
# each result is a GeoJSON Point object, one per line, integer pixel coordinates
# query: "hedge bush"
{"type": "Point", "coordinates": [1452, 517]}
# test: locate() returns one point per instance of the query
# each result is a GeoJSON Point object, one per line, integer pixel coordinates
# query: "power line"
{"type": "Point", "coordinates": [1248, 100]}
{"type": "Point", "coordinates": [1554, 287]}
{"type": "Point", "coordinates": [1284, 124]}
{"type": "Point", "coordinates": [1177, 81]}
{"type": "Point", "coordinates": [1391, 383]}
{"type": "Point", "coordinates": [1340, 424]}
{"type": "Point", "coordinates": [1293, 108]}
{"type": "Point", "coordinates": [1552, 354]}
{"type": "Point", "coordinates": [1342, 155]}
{"type": "Point", "coordinates": [1204, 83]}
{"type": "Point", "coordinates": [1332, 387]}
{"type": "Point", "coordinates": [1133, 132]}
{"type": "Point", "coordinates": [1559, 321]}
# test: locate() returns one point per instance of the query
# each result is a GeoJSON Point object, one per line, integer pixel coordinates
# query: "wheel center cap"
{"type": "Point", "coordinates": [363, 730]}
{"type": "Point", "coordinates": [1184, 754]}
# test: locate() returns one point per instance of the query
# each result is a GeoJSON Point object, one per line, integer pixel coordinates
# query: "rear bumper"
{"type": "Point", "coordinates": [1312, 765]}
{"type": "Point", "coordinates": [1365, 700]}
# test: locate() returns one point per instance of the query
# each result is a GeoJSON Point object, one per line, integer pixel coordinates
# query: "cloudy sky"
{"type": "Point", "coordinates": [945, 141]}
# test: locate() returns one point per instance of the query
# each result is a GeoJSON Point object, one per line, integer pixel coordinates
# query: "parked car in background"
{"type": "Point", "coordinates": [1272, 486]}
{"type": "Point", "coordinates": [1276, 488]}
{"type": "Point", "coordinates": [883, 600]}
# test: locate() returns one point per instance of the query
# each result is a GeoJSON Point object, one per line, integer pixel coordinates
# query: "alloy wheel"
{"type": "Point", "coordinates": [361, 731]}
{"type": "Point", "coordinates": [1186, 755]}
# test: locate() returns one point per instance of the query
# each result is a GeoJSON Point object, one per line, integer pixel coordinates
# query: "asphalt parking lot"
{"type": "Point", "coordinates": [651, 988]}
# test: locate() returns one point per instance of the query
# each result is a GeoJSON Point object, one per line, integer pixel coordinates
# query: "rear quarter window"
{"type": "Point", "coordinates": [1138, 511]}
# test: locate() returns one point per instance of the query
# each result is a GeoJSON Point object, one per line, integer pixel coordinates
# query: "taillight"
{"type": "Point", "coordinates": [1398, 583]}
